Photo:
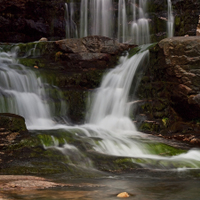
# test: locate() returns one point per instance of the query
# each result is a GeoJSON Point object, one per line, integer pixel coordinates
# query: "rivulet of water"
{"type": "Point", "coordinates": [170, 21]}
{"type": "Point", "coordinates": [23, 93]}
{"type": "Point", "coordinates": [98, 17]}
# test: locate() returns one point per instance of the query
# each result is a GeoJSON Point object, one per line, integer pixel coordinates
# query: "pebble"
{"type": "Point", "coordinates": [123, 195]}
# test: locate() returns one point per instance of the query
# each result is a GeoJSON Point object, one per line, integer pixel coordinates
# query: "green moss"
{"type": "Point", "coordinates": [140, 49]}
{"type": "Point", "coordinates": [163, 149]}
{"type": "Point", "coordinates": [165, 121]}
{"type": "Point", "coordinates": [12, 122]}
{"type": "Point", "coordinates": [31, 62]}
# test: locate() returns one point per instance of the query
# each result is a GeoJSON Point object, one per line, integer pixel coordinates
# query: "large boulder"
{"type": "Point", "coordinates": [170, 88]}
{"type": "Point", "coordinates": [182, 65]}
{"type": "Point", "coordinates": [92, 52]}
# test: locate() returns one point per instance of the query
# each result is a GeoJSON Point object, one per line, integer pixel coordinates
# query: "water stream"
{"type": "Point", "coordinates": [170, 21]}
{"type": "Point", "coordinates": [99, 17]}
{"type": "Point", "coordinates": [23, 92]}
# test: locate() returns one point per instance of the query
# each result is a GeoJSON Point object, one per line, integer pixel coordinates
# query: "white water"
{"type": "Point", "coordinates": [71, 27]}
{"type": "Point", "coordinates": [109, 130]}
{"type": "Point", "coordinates": [98, 17]}
{"type": "Point", "coordinates": [23, 93]}
{"type": "Point", "coordinates": [170, 21]}
{"type": "Point", "coordinates": [110, 108]}
{"type": "Point", "coordinates": [140, 26]}
{"type": "Point", "coordinates": [84, 18]}
{"type": "Point", "coordinates": [101, 17]}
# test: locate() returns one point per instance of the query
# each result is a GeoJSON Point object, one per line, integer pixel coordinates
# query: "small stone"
{"type": "Point", "coordinates": [36, 67]}
{"type": "Point", "coordinates": [123, 195]}
{"type": "Point", "coordinates": [194, 141]}
{"type": "Point", "coordinates": [43, 39]}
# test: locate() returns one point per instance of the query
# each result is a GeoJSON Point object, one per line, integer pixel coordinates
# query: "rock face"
{"type": "Point", "coordinates": [198, 28]}
{"type": "Point", "coordinates": [186, 14]}
{"type": "Point", "coordinates": [182, 58]}
{"type": "Point", "coordinates": [29, 20]}
{"type": "Point", "coordinates": [12, 128]}
{"type": "Point", "coordinates": [170, 88]}
{"type": "Point", "coordinates": [73, 54]}
{"type": "Point", "coordinates": [90, 52]}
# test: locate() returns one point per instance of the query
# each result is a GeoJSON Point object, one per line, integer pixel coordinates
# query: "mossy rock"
{"type": "Point", "coordinates": [12, 122]}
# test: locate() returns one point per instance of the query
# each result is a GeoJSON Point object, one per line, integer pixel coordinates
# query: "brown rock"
{"type": "Point", "coordinates": [198, 28]}
{"type": "Point", "coordinates": [43, 39]}
{"type": "Point", "coordinates": [123, 195]}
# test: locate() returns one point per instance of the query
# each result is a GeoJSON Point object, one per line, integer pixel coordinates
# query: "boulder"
{"type": "Point", "coordinates": [74, 53]}
{"type": "Point", "coordinates": [12, 122]}
{"type": "Point", "coordinates": [198, 28]}
{"type": "Point", "coordinates": [181, 64]}
{"type": "Point", "coordinates": [170, 89]}
{"type": "Point", "coordinates": [123, 195]}
{"type": "Point", "coordinates": [91, 51]}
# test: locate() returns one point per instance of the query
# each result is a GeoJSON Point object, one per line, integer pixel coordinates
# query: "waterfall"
{"type": "Point", "coordinates": [110, 130]}
{"type": "Point", "coordinates": [114, 91]}
{"type": "Point", "coordinates": [23, 93]}
{"type": "Point", "coordinates": [170, 21]}
{"type": "Point", "coordinates": [71, 27]}
{"type": "Point", "coordinates": [98, 17]}
{"type": "Point", "coordinates": [122, 21]}
{"type": "Point", "coordinates": [84, 18]}
{"type": "Point", "coordinates": [140, 25]}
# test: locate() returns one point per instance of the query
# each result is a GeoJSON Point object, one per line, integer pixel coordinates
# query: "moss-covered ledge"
{"type": "Point", "coordinates": [72, 54]}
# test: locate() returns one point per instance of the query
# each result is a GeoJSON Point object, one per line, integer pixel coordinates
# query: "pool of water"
{"type": "Point", "coordinates": [140, 184]}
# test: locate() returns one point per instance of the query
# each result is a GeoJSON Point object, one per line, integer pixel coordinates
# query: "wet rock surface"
{"type": "Point", "coordinates": [28, 20]}
{"type": "Point", "coordinates": [170, 90]}
{"type": "Point", "coordinates": [186, 14]}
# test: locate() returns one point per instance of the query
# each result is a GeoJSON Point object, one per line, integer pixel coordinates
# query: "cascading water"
{"type": "Point", "coordinates": [71, 27]}
{"type": "Point", "coordinates": [98, 17]}
{"type": "Point", "coordinates": [101, 17]}
{"type": "Point", "coordinates": [114, 90]}
{"type": "Point", "coordinates": [122, 21]}
{"type": "Point", "coordinates": [170, 21]}
{"type": "Point", "coordinates": [115, 132]}
{"type": "Point", "coordinates": [22, 92]}
{"type": "Point", "coordinates": [138, 32]}
{"type": "Point", "coordinates": [84, 18]}
{"type": "Point", "coordinates": [109, 131]}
